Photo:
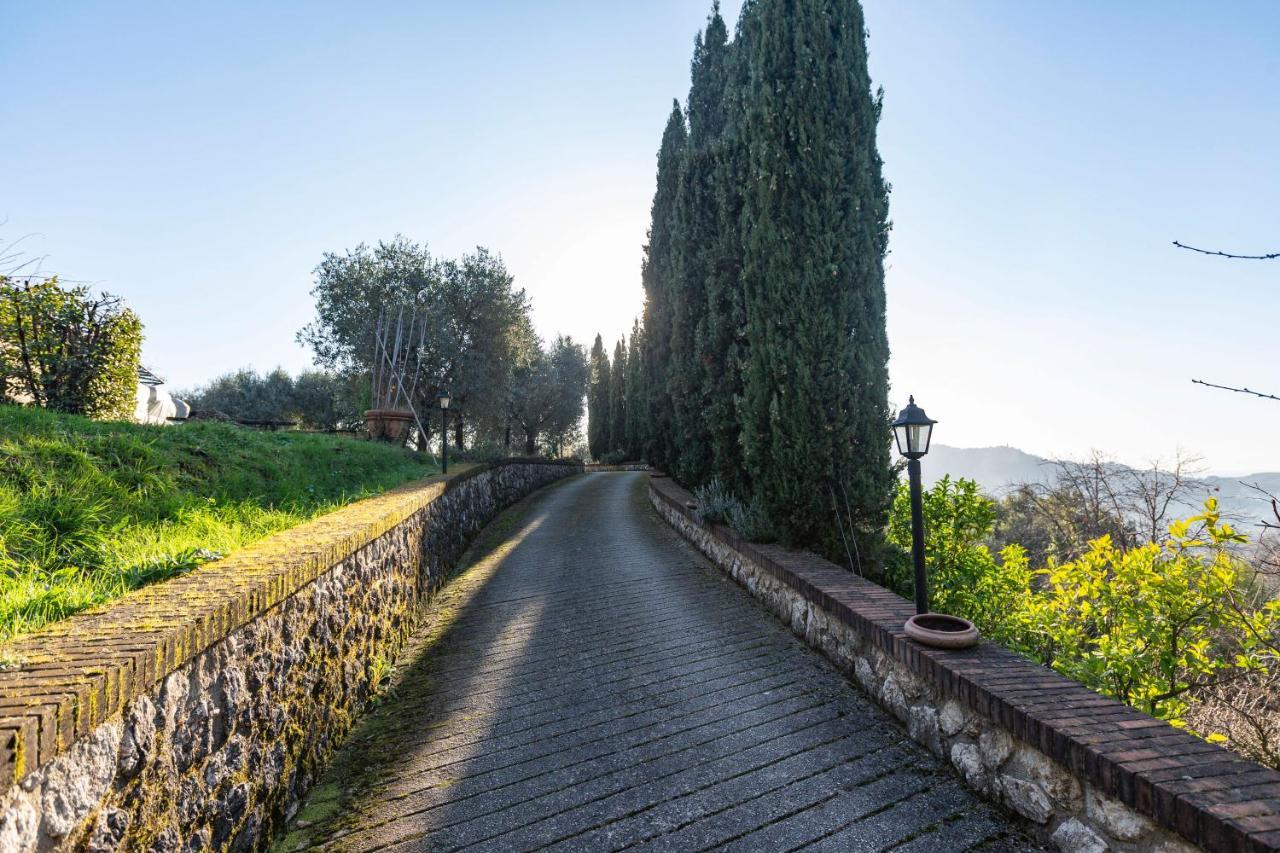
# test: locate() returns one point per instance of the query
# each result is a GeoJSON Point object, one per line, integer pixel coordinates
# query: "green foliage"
{"type": "Point", "coordinates": [661, 291]}
{"type": "Point", "coordinates": [718, 505]}
{"type": "Point", "coordinates": [315, 399]}
{"type": "Point", "coordinates": [764, 352]}
{"type": "Point", "coordinates": [618, 401]}
{"type": "Point", "coordinates": [751, 520]}
{"type": "Point", "coordinates": [90, 510]}
{"type": "Point", "coordinates": [1148, 625]}
{"type": "Point", "coordinates": [722, 345]}
{"type": "Point", "coordinates": [964, 577]}
{"type": "Point", "coordinates": [1060, 521]}
{"type": "Point", "coordinates": [637, 429]}
{"type": "Point", "coordinates": [473, 339]}
{"type": "Point", "coordinates": [714, 501]}
{"type": "Point", "coordinates": [66, 350]}
{"type": "Point", "coordinates": [546, 399]}
{"type": "Point", "coordinates": [599, 394]}
{"type": "Point", "coordinates": [814, 410]}
{"type": "Point", "coordinates": [695, 252]}
{"type": "Point", "coordinates": [350, 291]}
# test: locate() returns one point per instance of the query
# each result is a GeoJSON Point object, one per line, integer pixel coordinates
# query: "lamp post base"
{"type": "Point", "coordinates": [942, 631]}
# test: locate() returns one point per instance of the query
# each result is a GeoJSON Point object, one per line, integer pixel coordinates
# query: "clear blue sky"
{"type": "Point", "coordinates": [199, 158]}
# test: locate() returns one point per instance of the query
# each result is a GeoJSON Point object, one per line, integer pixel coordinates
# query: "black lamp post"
{"type": "Point", "coordinates": [443, 399]}
{"type": "Point", "coordinates": [912, 429]}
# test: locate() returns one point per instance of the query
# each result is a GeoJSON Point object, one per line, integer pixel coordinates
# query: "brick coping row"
{"type": "Point", "coordinates": [1201, 791]}
{"type": "Point", "coordinates": [73, 675]}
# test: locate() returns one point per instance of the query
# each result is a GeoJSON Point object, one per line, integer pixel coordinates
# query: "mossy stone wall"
{"type": "Point", "coordinates": [193, 715]}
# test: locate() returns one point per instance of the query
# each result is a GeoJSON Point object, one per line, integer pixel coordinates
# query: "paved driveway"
{"type": "Point", "coordinates": [591, 683]}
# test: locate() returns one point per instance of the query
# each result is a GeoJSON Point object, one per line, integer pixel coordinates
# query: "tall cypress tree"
{"type": "Point", "coordinates": [725, 341]}
{"type": "Point", "coordinates": [694, 250]}
{"type": "Point", "coordinates": [636, 433]}
{"type": "Point", "coordinates": [618, 399]}
{"type": "Point", "coordinates": [658, 277]}
{"type": "Point", "coordinates": [598, 423]}
{"type": "Point", "coordinates": [815, 408]}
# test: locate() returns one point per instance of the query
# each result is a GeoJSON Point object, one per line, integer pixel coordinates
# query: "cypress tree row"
{"type": "Point", "coordinates": [618, 400]}
{"type": "Point", "coordinates": [814, 413]}
{"type": "Point", "coordinates": [763, 355]}
{"type": "Point", "coordinates": [598, 399]}
{"type": "Point", "coordinates": [658, 277]}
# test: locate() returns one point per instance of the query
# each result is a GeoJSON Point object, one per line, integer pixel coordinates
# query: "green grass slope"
{"type": "Point", "coordinates": [91, 510]}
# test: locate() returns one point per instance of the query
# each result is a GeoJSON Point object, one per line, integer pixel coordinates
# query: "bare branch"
{"type": "Point", "coordinates": [1237, 390]}
{"type": "Point", "coordinates": [1267, 257]}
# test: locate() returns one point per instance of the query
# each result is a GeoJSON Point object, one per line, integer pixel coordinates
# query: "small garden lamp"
{"type": "Point", "coordinates": [912, 430]}
{"type": "Point", "coordinates": [443, 399]}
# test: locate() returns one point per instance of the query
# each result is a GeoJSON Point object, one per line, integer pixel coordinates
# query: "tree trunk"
{"type": "Point", "coordinates": [530, 443]}
{"type": "Point", "coordinates": [506, 439]}
{"type": "Point", "coordinates": [457, 432]}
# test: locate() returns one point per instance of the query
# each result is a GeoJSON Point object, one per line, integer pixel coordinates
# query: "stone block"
{"type": "Point", "coordinates": [965, 758]}
{"type": "Point", "coordinates": [996, 745]}
{"type": "Point", "coordinates": [1116, 819]}
{"type": "Point", "coordinates": [922, 725]}
{"type": "Point", "coordinates": [1061, 786]}
{"type": "Point", "coordinates": [953, 717]}
{"type": "Point", "coordinates": [1026, 798]}
{"type": "Point", "coordinates": [1075, 837]}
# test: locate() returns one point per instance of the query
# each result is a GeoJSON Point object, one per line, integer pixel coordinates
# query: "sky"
{"type": "Point", "coordinates": [199, 159]}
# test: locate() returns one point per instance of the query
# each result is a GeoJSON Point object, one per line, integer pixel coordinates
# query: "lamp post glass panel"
{"type": "Point", "coordinates": [443, 399]}
{"type": "Point", "coordinates": [912, 430]}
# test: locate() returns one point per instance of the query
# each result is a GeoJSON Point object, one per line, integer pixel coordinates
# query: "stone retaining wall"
{"type": "Point", "coordinates": [594, 467]}
{"type": "Point", "coordinates": [1088, 773]}
{"type": "Point", "coordinates": [193, 714]}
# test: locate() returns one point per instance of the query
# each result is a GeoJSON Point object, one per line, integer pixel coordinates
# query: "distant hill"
{"type": "Point", "coordinates": [996, 469]}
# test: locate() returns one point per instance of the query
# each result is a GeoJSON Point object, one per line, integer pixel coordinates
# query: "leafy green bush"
{"type": "Point", "coordinates": [315, 399]}
{"type": "Point", "coordinates": [66, 350]}
{"type": "Point", "coordinates": [1148, 625]}
{"type": "Point", "coordinates": [965, 578]}
{"type": "Point", "coordinates": [89, 510]}
{"type": "Point", "coordinates": [614, 457]}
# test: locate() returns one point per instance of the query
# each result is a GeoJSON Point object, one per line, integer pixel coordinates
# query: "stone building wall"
{"type": "Point", "coordinates": [274, 651]}
{"type": "Point", "coordinates": [1087, 773]}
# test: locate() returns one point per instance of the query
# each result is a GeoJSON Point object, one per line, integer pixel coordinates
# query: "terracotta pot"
{"type": "Point", "coordinates": [388, 424]}
{"type": "Point", "coordinates": [942, 631]}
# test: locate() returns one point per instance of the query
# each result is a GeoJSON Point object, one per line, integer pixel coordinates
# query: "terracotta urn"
{"type": "Point", "coordinates": [388, 424]}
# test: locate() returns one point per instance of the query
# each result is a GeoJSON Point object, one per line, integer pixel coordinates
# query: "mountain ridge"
{"type": "Point", "coordinates": [996, 469]}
